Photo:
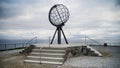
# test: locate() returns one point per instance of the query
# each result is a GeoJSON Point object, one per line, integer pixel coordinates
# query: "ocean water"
{"type": "Point", "coordinates": [10, 44]}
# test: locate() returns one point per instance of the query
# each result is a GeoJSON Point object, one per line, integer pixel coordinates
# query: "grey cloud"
{"type": "Point", "coordinates": [85, 16]}
{"type": "Point", "coordinates": [117, 5]}
{"type": "Point", "coordinates": [8, 12]}
{"type": "Point", "coordinates": [1, 12]}
{"type": "Point", "coordinates": [118, 2]}
{"type": "Point", "coordinates": [19, 1]}
{"type": "Point", "coordinates": [13, 8]}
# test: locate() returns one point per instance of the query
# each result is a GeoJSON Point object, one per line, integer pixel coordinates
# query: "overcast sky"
{"type": "Point", "coordinates": [97, 19]}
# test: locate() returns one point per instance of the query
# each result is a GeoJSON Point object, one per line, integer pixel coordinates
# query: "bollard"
{"type": "Point", "coordinates": [84, 50]}
{"type": "Point", "coordinates": [105, 44]}
{"type": "Point", "coordinates": [5, 47]}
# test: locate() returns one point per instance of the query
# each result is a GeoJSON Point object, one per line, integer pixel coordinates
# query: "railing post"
{"type": "Point", "coordinates": [36, 39]}
{"type": "Point", "coordinates": [40, 55]}
{"type": "Point", "coordinates": [85, 39]}
{"type": "Point", "coordinates": [22, 44]}
{"type": "Point", "coordinates": [5, 46]}
{"type": "Point", "coordinates": [49, 41]}
{"type": "Point", "coordinates": [14, 46]}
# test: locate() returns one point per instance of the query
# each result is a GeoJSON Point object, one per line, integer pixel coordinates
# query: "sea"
{"type": "Point", "coordinates": [11, 44]}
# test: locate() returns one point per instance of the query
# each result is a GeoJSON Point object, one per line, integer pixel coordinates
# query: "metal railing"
{"type": "Point", "coordinates": [30, 41]}
{"type": "Point", "coordinates": [12, 46]}
{"type": "Point", "coordinates": [110, 42]}
{"type": "Point", "coordinates": [88, 40]}
{"type": "Point", "coordinates": [92, 41]}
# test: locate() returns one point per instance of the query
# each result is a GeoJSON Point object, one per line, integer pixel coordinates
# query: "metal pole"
{"type": "Point", "coordinates": [64, 37]}
{"type": "Point", "coordinates": [15, 46]}
{"type": "Point", "coordinates": [59, 35]}
{"type": "Point", "coordinates": [85, 39]}
{"type": "Point", "coordinates": [22, 44]}
{"type": "Point", "coordinates": [36, 40]}
{"type": "Point", "coordinates": [53, 36]}
{"type": "Point", "coordinates": [5, 47]}
{"type": "Point", "coordinates": [49, 41]}
{"type": "Point", "coordinates": [40, 55]}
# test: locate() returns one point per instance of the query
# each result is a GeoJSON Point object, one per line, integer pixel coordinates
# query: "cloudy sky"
{"type": "Point", "coordinates": [97, 19]}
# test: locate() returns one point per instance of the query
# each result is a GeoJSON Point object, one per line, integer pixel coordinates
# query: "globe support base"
{"type": "Point", "coordinates": [59, 29]}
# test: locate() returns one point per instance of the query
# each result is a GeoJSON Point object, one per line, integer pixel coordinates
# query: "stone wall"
{"type": "Point", "coordinates": [80, 50]}
{"type": "Point", "coordinates": [27, 50]}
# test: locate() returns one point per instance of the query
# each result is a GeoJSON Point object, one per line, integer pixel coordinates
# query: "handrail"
{"type": "Point", "coordinates": [91, 40]}
{"type": "Point", "coordinates": [32, 40]}
{"type": "Point", "coordinates": [40, 54]}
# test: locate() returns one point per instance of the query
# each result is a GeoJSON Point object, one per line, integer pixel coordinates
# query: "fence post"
{"type": "Point", "coordinates": [22, 44]}
{"type": "Point", "coordinates": [85, 39]}
{"type": "Point", "coordinates": [36, 40]}
{"type": "Point", "coordinates": [49, 41]}
{"type": "Point", "coordinates": [15, 46]}
{"type": "Point", "coordinates": [5, 46]}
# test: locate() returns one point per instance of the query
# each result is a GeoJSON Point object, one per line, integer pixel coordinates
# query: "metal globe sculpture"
{"type": "Point", "coordinates": [58, 16]}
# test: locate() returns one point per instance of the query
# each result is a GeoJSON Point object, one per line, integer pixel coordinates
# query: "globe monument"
{"type": "Point", "coordinates": [58, 16]}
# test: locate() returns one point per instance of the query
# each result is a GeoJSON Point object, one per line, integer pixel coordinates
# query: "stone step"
{"type": "Point", "coordinates": [43, 62]}
{"type": "Point", "coordinates": [37, 47]}
{"type": "Point", "coordinates": [48, 50]}
{"type": "Point", "coordinates": [52, 58]}
{"type": "Point", "coordinates": [38, 53]}
{"type": "Point", "coordinates": [53, 48]}
{"type": "Point", "coordinates": [47, 55]}
{"type": "Point", "coordinates": [45, 59]}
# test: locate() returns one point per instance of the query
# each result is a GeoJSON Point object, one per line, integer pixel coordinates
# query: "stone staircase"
{"type": "Point", "coordinates": [87, 50]}
{"type": "Point", "coordinates": [47, 55]}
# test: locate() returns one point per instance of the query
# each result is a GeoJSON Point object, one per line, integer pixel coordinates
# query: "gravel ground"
{"type": "Point", "coordinates": [3, 53]}
{"type": "Point", "coordinates": [110, 59]}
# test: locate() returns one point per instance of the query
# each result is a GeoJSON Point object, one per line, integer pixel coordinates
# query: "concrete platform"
{"type": "Point", "coordinates": [67, 46]}
{"type": "Point", "coordinates": [51, 54]}
{"type": "Point", "coordinates": [60, 45]}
